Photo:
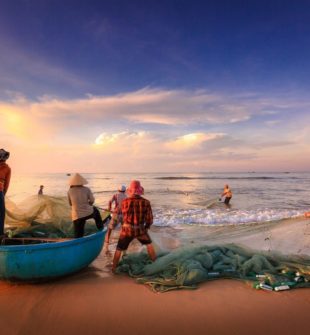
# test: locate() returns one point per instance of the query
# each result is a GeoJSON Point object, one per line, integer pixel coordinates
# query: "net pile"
{"type": "Point", "coordinates": [187, 267]}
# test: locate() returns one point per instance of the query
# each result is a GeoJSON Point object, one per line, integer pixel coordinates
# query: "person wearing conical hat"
{"type": "Point", "coordinates": [137, 219]}
{"type": "Point", "coordinates": [117, 216]}
{"type": "Point", "coordinates": [5, 176]}
{"type": "Point", "coordinates": [81, 200]}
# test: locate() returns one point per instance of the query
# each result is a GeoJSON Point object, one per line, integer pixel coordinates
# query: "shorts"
{"type": "Point", "coordinates": [125, 240]}
{"type": "Point", "coordinates": [116, 219]}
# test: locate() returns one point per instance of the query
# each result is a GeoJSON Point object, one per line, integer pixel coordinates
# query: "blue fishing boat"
{"type": "Point", "coordinates": [34, 259]}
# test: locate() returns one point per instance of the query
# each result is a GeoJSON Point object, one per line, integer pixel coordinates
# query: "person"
{"type": "Point", "coordinates": [81, 200]}
{"type": "Point", "coordinates": [40, 192]}
{"type": "Point", "coordinates": [137, 219]}
{"type": "Point", "coordinates": [307, 214]}
{"type": "Point", "coordinates": [117, 216]}
{"type": "Point", "coordinates": [5, 177]}
{"type": "Point", "coordinates": [227, 193]}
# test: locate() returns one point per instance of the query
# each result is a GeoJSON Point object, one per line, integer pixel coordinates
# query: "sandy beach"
{"type": "Point", "coordinates": [94, 301]}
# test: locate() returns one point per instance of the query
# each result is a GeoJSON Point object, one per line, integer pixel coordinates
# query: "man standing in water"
{"type": "Point", "coordinates": [227, 193]}
{"type": "Point", "coordinates": [5, 176]}
{"type": "Point", "coordinates": [137, 219]}
{"type": "Point", "coordinates": [40, 192]}
{"type": "Point", "coordinates": [117, 216]}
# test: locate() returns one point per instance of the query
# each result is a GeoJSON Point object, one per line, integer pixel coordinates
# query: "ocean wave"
{"type": "Point", "coordinates": [223, 178]}
{"type": "Point", "coordinates": [207, 217]}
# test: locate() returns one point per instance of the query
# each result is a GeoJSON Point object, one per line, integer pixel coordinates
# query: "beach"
{"type": "Point", "coordinates": [95, 302]}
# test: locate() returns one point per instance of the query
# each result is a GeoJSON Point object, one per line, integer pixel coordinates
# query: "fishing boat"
{"type": "Point", "coordinates": [35, 259]}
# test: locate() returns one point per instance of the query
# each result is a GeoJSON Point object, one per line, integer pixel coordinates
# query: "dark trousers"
{"type": "Point", "coordinates": [2, 212]}
{"type": "Point", "coordinates": [79, 224]}
{"type": "Point", "coordinates": [227, 199]}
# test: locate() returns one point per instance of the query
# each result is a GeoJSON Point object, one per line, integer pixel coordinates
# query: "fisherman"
{"type": "Point", "coordinates": [5, 176]}
{"type": "Point", "coordinates": [81, 201]}
{"type": "Point", "coordinates": [117, 216]}
{"type": "Point", "coordinates": [227, 193]}
{"type": "Point", "coordinates": [137, 219]}
{"type": "Point", "coordinates": [40, 192]}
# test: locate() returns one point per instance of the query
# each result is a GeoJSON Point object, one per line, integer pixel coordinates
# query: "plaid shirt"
{"type": "Point", "coordinates": [137, 213]}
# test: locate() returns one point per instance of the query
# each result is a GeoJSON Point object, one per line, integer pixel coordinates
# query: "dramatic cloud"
{"type": "Point", "coordinates": [159, 129]}
{"type": "Point", "coordinates": [192, 141]}
{"type": "Point", "coordinates": [146, 106]}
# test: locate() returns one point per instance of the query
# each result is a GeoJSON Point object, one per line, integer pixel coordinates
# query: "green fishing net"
{"type": "Point", "coordinates": [271, 255]}
{"type": "Point", "coordinates": [187, 267]}
{"type": "Point", "coordinates": [43, 216]}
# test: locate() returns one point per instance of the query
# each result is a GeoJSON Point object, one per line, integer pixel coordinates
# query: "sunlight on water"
{"type": "Point", "coordinates": [192, 198]}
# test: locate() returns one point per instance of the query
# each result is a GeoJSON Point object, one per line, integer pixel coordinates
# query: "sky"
{"type": "Point", "coordinates": [155, 85]}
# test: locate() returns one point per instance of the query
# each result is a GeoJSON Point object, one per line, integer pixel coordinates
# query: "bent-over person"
{"type": "Point", "coordinates": [137, 219]}
{"type": "Point", "coordinates": [81, 200]}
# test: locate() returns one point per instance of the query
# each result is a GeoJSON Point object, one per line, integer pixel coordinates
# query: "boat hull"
{"type": "Point", "coordinates": [49, 260]}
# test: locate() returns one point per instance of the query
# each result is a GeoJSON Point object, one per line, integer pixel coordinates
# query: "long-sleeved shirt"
{"type": "Point", "coordinates": [81, 200]}
{"type": "Point", "coordinates": [117, 199]}
{"type": "Point", "coordinates": [5, 177]}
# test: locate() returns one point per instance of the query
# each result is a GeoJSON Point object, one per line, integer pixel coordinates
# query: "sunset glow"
{"type": "Point", "coordinates": [174, 92]}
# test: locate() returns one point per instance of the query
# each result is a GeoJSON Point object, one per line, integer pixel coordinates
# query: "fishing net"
{"type": "Point", "coordinates": [187, 267]}
{"type": "Point", "coordinates": [272, 255]}
{"type": "Point", "coordinates": [43, 216]}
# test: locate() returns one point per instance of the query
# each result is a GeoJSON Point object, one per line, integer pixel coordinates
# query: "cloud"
{"type": "Point", "coordinates": [192, 141]}
{"type": "Point", "coordinates": [149, 144]}
{"type": "Point", "coordinates": [271, 123]}
{"type": "Point", "coordinates": [154, 129]}
{"type": "Point", "coordinates": [53, 116]}
{"type": "Point", "coordinates": [143, 107]}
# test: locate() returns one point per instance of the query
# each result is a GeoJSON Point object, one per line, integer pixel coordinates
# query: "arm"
{"type": "Point", "coordinates": [110, 203]}
{"type": "Point", "coordinates": [149, 217]}
{"type": "Point", "coordinates": [7, 181]}
{"type": "Point", "coordinates": [69, 199]}
{"type": "Point", "coordinates": [91, 198]}
{"type": "Point", "coordinates": [224, 192]}
{"type": "Point", "coordinates": [113, 199]}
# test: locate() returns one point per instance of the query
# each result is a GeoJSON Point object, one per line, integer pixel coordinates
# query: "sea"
{"type": "Point", "coordinates": [183, 199]}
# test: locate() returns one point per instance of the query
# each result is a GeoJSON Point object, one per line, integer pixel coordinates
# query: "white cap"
{"type": "Point", "coordinates": [122, 188]}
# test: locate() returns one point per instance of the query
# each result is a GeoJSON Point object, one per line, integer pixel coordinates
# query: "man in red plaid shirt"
{"type": "Point", "coordinates": [137, 219]}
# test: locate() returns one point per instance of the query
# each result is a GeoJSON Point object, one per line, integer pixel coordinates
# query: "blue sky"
{"type": "Point", "coordinates": [218, 85]}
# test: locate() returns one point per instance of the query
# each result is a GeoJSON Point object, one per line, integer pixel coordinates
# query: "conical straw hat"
{"type": "Point", "coordinates": [77, 179]}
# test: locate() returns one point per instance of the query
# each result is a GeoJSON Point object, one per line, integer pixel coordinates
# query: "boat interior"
{"type": "Point", "coordinates": [29, 240]}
